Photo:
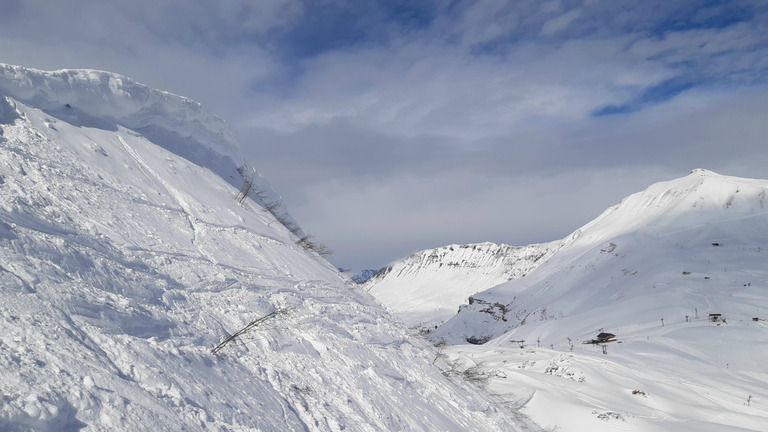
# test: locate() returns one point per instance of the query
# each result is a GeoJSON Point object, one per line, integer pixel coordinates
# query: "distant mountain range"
{"type": "Point", "coordinates": [427, 288]}
{"type": "Point", "coordinates": [677, 273]}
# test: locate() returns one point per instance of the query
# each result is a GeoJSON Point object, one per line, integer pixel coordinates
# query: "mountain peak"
{"type": "Point", "coordinates": [700, 197]}
{"type": "Point", "coordinates": [703, 172]}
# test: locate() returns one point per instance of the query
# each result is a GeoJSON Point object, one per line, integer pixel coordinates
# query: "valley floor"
{"type": "Point", "coordinates": [650, 382]}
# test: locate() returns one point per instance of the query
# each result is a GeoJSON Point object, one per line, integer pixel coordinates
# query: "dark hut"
{"type": "Point", "coordinates": [605, 337]}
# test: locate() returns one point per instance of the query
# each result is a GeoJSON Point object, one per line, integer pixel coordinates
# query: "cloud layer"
{"type": "Point", "coordinates": [390, 128]}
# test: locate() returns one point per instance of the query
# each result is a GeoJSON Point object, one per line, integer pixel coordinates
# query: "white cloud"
{"type": "Point", "coordinates": [534, 186]}
{"type": "Point", "coordinates": [560, 23]}
{"type": "Point", "coordinates": [424, 89]}
{"type": "Point", "coordinates": [486, 21]}
{"type": "Point", "coordinates": [483, 114]}
{"type": "Point", "coordinates": [552, 7]}
{"type": "Point", "coordinates": [407, 214]}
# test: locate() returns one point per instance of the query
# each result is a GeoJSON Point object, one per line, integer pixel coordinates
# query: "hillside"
{"type": "Point", "coordinates": [125, 259]}
{"type": "Point", "coordinates": [427, 288]}
{"type": "Point", "coordinates": [686, 243]}
{"type": "Point", "coordinates": [650, 270]}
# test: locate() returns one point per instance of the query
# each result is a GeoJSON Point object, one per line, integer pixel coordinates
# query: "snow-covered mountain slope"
{"type": "Point", "coordinates": [427, 288]}
{"type": "Point", "coordinates": [363, 276]}
{"type": "Point", "coordinates": [123, 262]}
{"type": "Point", "coordinates": [650, 270]}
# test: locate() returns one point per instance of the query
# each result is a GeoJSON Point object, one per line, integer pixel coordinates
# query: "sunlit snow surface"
{"type": "Point", "coordinates": [649, 270]}
{"type": "Point", "coordinates": [124, 259]}
{"type": "Point", "coordinates": [427, 288]}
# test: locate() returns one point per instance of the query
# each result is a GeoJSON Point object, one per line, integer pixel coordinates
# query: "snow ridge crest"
{"type": "Point", "coordinates": [106, 100]}
{"type": "Point", "coordinates": [701, 195]}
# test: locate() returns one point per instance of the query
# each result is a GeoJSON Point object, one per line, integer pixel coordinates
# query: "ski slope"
{"type": "Point", "coordinates": [650, 270]}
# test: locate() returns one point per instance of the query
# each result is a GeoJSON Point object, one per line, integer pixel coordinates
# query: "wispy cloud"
{"type": "Point", "coordinates": [451, 120]}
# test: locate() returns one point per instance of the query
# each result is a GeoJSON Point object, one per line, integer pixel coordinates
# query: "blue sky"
{"type": "Point", "coordinates": [395, 126]}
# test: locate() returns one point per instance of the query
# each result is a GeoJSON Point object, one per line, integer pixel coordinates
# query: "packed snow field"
{"type": "Point", "coordinates": [125, 258]}
{"type": "Point", "coordinates": [677, 273]}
